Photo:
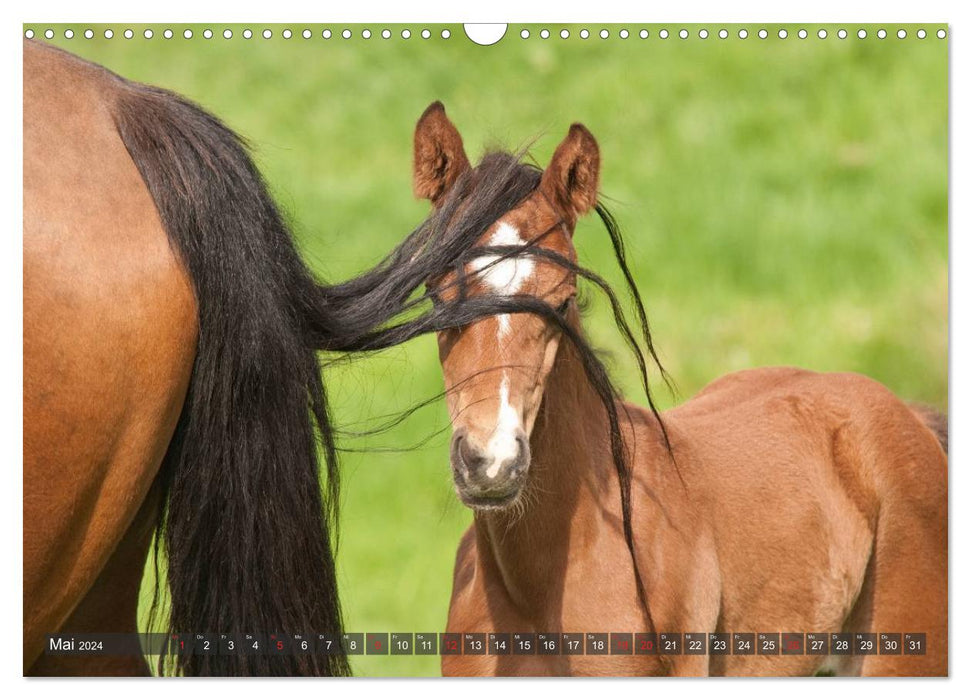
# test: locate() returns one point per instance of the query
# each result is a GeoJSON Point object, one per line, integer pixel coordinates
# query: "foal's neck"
{"type": "Point", "coordinates": [562, 508]}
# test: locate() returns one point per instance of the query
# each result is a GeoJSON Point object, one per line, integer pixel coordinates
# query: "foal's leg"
{"type": "Point", "coordinates": [111, 606]}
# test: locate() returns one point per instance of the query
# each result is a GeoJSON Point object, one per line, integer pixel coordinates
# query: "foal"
{"type": "Point", "coordinates": [776, 500]}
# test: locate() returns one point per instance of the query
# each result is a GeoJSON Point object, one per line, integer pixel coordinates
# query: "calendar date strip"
{"type": "Point", "coordinates": [497, 643]}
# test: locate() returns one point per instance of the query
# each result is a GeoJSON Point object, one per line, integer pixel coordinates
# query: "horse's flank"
{"type": "Point", "coordinates": [109, 337]}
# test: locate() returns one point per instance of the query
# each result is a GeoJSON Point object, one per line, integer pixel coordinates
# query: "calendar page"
{"type": "Point", "coordinates": [520, 350]}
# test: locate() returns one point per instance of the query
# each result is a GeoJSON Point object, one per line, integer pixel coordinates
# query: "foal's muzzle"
{"type": "Point", "coordinates": [489, 476]}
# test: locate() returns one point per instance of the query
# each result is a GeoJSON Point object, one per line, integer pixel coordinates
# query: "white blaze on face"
{"type": "Point", "coordinates": [503, 444]}
{"type": "Point", "coordinates": [505, 277]}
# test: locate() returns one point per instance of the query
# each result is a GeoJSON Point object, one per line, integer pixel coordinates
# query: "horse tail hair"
{"type": "Point", "coordinates": [248, 515]}
{"type": "Point", "coordinates": [935, 420]}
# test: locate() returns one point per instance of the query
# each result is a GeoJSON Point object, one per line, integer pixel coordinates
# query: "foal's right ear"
{"type": "Point", "coordinates": [439, 155]}
{"type": "Point", "coordinates": [573, 175]}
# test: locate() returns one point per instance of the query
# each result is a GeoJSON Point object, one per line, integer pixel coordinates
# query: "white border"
{"type": "Point", "coordinates": [603, 11]}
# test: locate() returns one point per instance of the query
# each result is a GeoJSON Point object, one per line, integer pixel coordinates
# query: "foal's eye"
{"type": "Point", "coordinates": [564, 307]}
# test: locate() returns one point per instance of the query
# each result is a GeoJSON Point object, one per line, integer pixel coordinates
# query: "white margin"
{"type": "Point", "coordinates": [603, 11]}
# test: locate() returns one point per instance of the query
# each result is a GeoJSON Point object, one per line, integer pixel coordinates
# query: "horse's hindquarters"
{"type": "Point", "coordinates": [109, 337]}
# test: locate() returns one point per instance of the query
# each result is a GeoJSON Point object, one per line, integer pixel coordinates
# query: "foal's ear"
{"type": "Point", "coordinates": [572, 177]}
{"type": "Point", "coordinates": [439, 154]}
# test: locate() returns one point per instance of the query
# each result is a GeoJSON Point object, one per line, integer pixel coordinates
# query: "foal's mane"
{"type": "Point", "coordinates": [446, 241]}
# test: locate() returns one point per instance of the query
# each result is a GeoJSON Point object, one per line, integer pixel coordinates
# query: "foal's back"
{"type": "Point", "coordinates": [822, 500]}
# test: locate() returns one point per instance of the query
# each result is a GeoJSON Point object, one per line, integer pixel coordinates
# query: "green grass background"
{"type": "Point", "coordinates": [784, 202]}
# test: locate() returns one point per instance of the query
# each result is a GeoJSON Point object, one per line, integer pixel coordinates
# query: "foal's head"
{"type": "Point", "coordinates": [496, 367]}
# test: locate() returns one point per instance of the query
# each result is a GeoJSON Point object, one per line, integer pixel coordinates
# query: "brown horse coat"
{"type": "Point", "coordinates": [104, 373]}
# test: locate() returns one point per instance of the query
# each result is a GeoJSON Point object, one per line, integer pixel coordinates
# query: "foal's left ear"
{"type": "Point", "coordinates": [573, 176]}
{"type": "Point", "coordinates": [439, 154]}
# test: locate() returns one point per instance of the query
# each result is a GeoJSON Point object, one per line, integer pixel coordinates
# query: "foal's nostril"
{"type": "Point", "coordinates": [467, 458]}
{"type": "Point", "coordinates": [472, 457]}
{"type": "Point", "coordinates": [522, 459]}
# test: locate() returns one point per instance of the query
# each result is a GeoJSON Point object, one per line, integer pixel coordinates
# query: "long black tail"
{"type": "Point", "coordinates": [246, 530]}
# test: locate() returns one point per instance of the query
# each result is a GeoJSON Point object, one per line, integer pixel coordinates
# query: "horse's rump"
{"type": "Point", "coordinates": [109, 337]}
{"type": "Point", "coordinates": [936, 421]}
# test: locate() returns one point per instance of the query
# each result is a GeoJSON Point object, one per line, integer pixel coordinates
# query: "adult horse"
{"type": "Point", "coordinates": [171, 377]}
{"type": "Point", "coordinates": [777, 499]}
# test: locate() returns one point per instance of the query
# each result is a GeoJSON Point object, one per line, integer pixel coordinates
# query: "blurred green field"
{"type": "Point", "coordinates": [784, 202]}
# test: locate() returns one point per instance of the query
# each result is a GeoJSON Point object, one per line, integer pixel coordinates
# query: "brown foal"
{"type": "Point", "coordinates": [801, 502]}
